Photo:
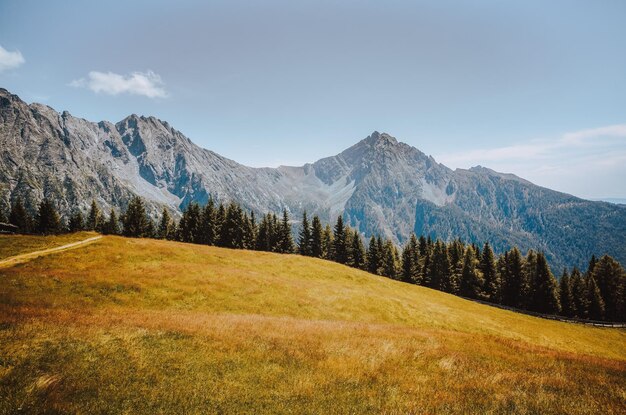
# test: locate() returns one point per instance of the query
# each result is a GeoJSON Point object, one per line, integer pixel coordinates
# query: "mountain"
{"type": "Point", "coordinates": [379, 184]}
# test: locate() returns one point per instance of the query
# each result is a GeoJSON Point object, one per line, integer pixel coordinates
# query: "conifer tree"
{"type": "Point", "coordinates": [150, 231]}
{"type": "Point", "coordinates": [425, 264]}
{"type": "Point", "coordinates": [274, 232]}
{"type": "Point", "coordinates": [231, 232]}
{"type": "Point", "coordinates": [111, 226]}
{"type": "Point", "coordinates": [545, 290]}
{"type": "Point", "coordinates": [568, 306]}
{"type": "Point", "coordinates": [305, 238]}
{"type": "Point", "coordinates": [165, 225]}
{"type": "Point", "coordinates": [135, 219]}
{"type": "Point", "coordinates": [3, 218]}
{"type": "Point", "coordinates": [456, 251]}
{"type": "Point", "coordinates": [76, 222]}
{"type": "Point", "coordinates": [580, 294]}
{"type": "Point", "coordinates": [514, 285]}
{"type": "Point", "coordinates": [47, 220]}
{"type": "Point", "coordinates": [529, 271]}
{"type": "Point", "coordinates": [249, 231]}
{"type": "Point", "coordinates": [285, 244]}
{"type": "Point", "coordinates": [596, 303]}
{"type": "Point", "coordinates": [20, 217]}
{"type": "Point", "coordinates": [373, 256]}
{"type": "Point", "coordinates": [439, 272]}
{"type": "Point", "coordinates": [220, 218]}
{"type": "Point", "coordinates": [189, 225]}
{"type": "Point", "coordinates": [592, 264]}
{"type": "Point", "coordinates": [410, 261]}
{"type": "Point", "coordinates": [423, 246]}
{"type": "Point", "coordinates": [471, 284]}
{"type": "Point", "coordinates": [263, 239]}
{"type": "Point", "coordinates": [491, 286]}
{"type": "Point", "coordinates": [389, 259]}
{"type": "Point", "coordinates": [317, 249]}
{"type": "Point", "coordinates": [611, 280]}
{"type": "Point", "coordinates": [208, 232]}
{"type": "Point", "coordinates": [93, 219]}
{"type": "Point", "coordinates": [340, 251]}
{"type": "Point", "coordinates": [357, 252]}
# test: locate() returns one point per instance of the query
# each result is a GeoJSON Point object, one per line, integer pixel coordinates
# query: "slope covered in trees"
{"type": "Point", "coordinates": [472, 271]}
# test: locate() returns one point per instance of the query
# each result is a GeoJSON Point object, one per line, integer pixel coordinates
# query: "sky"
{"type": "Point", "coordinates": [534, 88]}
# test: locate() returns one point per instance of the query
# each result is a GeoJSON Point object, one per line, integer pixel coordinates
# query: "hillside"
{"type": "Point", "coordinates": [147, 326]}
{"type": "Point", "coordinates": [380, 185]}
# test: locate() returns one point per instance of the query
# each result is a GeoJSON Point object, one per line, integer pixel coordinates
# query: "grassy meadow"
{"type": "Point", "coordinates": [154, 327]}
{"type": "Point", "coordinates": [17, 245]}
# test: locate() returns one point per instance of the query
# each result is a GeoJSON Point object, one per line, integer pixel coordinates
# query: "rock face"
{"type": "Point", "coordinates": [380, 185]}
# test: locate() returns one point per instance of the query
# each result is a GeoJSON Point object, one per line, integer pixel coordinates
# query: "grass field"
{"type": "Point", "coordinates": [144, 326]}
{"type": "Point", "coordinates": [16, 245]}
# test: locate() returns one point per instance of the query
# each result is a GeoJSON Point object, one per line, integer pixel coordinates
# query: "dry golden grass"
{"type": "Point", "coordinates": [143, 326]}
{"type": "Point", "coordinates": [15, 245]}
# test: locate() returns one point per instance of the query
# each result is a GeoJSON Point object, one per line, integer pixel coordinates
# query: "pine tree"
{"type": "Point", "coordinates": [93, 220]}
{"type": "Point", "coordinates": [207, 230]}
{"type": "Point", "coordinates": [340, 250]}
{"type": "Point", "coordinates": [151, 228]}
{"type": "Point", "coordinates": [423, 246]}
{"type": "Point", "coordinates": [232, 229]}
{"type": "Point", "coordinates": [47, 220]}
{"type": "Point", "coordinates": [327, 242]}
{"type": "Point", "coordinates": [3, 219]}
{"type": "Point", "coordinates": [611, 280]}
{"type": "Point", "coordinates": [514, 285]}
{"type": "Point", "coordinates": [456, 251]}
{"type": "Point", "coordinates": [20, 217]}
{"type": "Point", "coordinates": [135, 220]}
{"type": "Point", "coordinates": [111, 226]}
{"type": "Point", "coordinates": [471, 284]}
{"type": "Point", "coordinates": [189, 225]}
{"type": "Point", "coordinates": [580, 294]}
{"type": "Point", "coordinates": [529, 271]}
{"type": "Point", "coordinates": [220, 218]}
{"type": "Point", "coordinates": [568, 306]}
{"type": "Point", "coordinates": [317, 249]}
{"type": "Point", "coordinates": [263, 240]}
{"type": "Point", "coordinates": [389, 260]}
{"type": "Point", "coordinates": [410, 261]}
{"type": "Point", "coordinates": [592, 264]}
{"type": "Point", "coordinates": [425, 263]}
{"type": "Point", "coordinates": [305, 238]}
{"type": "Point", "coordinates": [357, 251]}
{"type": "Point", "coordinates": [165, 225]}
{"type": "Point", "coordinates": [373, 257]}
{"type": "Point", "coordinates": [249, 231]}
{"type": "Point", "coordinates": [439, 272]}
{"type": "Point", "coordinates": [285, 244]}
{"type": "Point", "coordinates": [545, 289]}
{"type": "Point", "coordinates": [274, 233]}
{"type": "Point", "coordinates": [596, 304]}
{"type": "Point", "coordinates": [76, 222]}
{"type": "Point", "coordinates": [491, 287]}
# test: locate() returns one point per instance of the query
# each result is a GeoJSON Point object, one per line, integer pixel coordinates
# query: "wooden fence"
{"type": "Point", "coordinates": [553, 316]}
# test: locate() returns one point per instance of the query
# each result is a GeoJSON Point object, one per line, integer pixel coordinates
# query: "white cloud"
{"type": "Point", "coordinates": [10, 60]}
{"type": "Point", "coordinates": [148, 83]}
{"type": "Point", "coordinates": [588, 163]}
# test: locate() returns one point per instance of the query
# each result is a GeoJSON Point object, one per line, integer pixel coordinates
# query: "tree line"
{"type": "Point", "coordinates": [468, 270]}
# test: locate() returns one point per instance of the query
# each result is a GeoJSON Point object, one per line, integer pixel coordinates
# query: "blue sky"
{"type": "Point", "coordinates": [536, 88]}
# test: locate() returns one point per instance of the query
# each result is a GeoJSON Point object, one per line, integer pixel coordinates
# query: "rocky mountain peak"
{"type": "Point", "coordinates": [379, 185]}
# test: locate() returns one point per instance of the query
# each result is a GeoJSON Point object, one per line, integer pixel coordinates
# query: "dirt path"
{"type": "Point", "coordinates": [19, 259]}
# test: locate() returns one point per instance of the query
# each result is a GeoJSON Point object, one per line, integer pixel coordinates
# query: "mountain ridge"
{"type": "Point", "coordinates": [379, 185]}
